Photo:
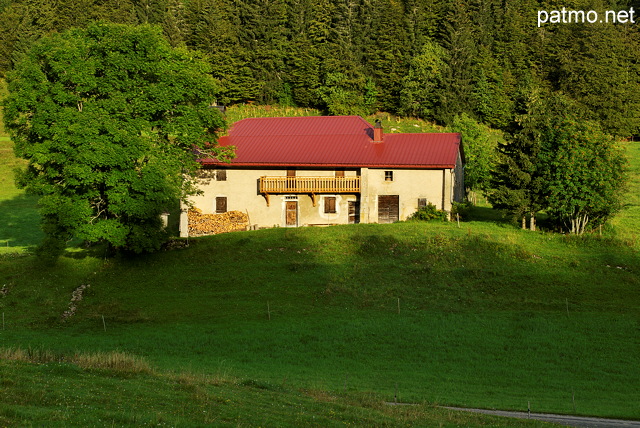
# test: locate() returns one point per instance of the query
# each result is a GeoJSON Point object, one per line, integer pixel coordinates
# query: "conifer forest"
{"type": "Point", "coordinates": [432, 59]}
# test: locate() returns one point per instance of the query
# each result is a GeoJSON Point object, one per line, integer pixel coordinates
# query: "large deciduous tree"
{"type": "Point", "coordinates": [480, 151]}
{"type": "Point", "coordinates": [109, 118]}
{"type": "Point", "coordinates": [585, 173]}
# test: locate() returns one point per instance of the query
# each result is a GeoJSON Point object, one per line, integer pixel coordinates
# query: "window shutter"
{"type": "Point", "coordinates": [329, 204]}
{"type": "Point", "coordinates": [221, 204]}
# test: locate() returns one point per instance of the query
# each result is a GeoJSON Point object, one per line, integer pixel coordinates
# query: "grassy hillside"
{"type": "Point", "coordinates": [480, 315]}
{"type": "Point", "coordinates": [626, 225]}
{"type": "Point", "coordinates": [392, 124]}
{"type": "Point", "coordinates": [62, 394]}
{"type": "Point", "coordinates": [3, 93]}
{"type": "Point", "coordinates": [320, 326]}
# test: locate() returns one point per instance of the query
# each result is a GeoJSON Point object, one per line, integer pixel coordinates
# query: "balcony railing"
{"type": "Point", "coordinates": [309, 184]}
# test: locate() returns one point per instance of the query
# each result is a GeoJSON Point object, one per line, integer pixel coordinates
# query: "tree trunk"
{"type": "Point", "coordinates": [579, 224]}
{"type": "Point", "coordinates": [532, 222]}
{"type": "Point", "coordinates": [524, 222]}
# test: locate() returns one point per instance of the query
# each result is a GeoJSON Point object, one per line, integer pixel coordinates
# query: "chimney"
{"type": "Point", "coordinates": [378, 134]}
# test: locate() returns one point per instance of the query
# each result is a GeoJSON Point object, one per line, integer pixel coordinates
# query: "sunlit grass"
{"type": "Point", "coordinates": [427, 312]}
{"type": "Point", "coordinates": [19, 218]}
{"type": "Point", "coordinates": [62, 394]}
{"type": "Point", "coordinates": [627, 222]}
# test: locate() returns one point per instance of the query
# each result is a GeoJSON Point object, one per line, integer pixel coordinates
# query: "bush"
{"type": "Point", "coordinates": [463, 209]}
{"type": "Point", "coordinates": [430, 212]}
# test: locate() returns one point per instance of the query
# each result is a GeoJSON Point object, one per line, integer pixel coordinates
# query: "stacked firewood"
{"type": "Point", "coordinates": [211, 224]}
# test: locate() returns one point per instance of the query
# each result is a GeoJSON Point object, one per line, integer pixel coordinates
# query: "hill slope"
{"type": "Point", "coordinates": [479, 315]}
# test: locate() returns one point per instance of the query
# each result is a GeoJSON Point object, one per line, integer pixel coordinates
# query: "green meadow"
{"type": "Point", "coordinates": [322, 326]}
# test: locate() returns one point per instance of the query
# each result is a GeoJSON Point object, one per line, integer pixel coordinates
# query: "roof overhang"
{"type": "Point", "coordinates": [212, 162]}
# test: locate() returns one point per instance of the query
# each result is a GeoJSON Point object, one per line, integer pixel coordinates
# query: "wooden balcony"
{"type": "Point", "coordinates": [312, 185]}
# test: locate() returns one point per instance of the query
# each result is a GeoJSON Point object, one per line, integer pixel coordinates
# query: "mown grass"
{"type": "Point", "coordinates": [391, 123]}
{"type": "Point", "coordinates": [627, 223]}
{"type": "Point", "coordinates": [19, 218]}
{"type": "Point", "coordinates": [488, 316]}
{"type": "Point", "coordinates": [62, 394]}
{"type": "Point", "coordinates": [286, 327]}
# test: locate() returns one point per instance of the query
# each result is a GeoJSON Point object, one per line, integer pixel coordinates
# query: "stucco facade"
{"type": "Point", "coordinates": [241, 189]}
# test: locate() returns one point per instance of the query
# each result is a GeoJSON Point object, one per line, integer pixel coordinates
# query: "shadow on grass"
{"type": "Point", "coordinates": [20, 222]}
{"type": "Point", "coordinates": [485, 213]}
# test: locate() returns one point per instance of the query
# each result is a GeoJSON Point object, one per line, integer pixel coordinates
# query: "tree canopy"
{"type": "Point", "coordinates": [559, 163]}
{"type": "Point", "coordinates": [108, 118]}
{"type": "Point", "coordinates": [435, 59]}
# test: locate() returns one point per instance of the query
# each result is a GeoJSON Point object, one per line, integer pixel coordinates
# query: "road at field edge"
{"type": "Point", "coordinates": [566, 420]}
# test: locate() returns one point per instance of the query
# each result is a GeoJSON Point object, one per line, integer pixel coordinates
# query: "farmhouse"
{"type": "Point", "coordinates": [306, 171]}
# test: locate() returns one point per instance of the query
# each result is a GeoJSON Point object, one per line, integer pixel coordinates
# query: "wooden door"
{"type": "Point", "coordinates": [388, 208]}
{"type": "Point", "coordinates": [354, 212]}
{"type": "Point", "coordinates": [291, 213]}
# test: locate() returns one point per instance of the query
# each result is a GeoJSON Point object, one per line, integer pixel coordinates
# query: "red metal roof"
{"type": "Point", "coordinates": [334, 141]}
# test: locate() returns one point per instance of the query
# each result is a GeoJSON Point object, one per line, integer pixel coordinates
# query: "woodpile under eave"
{"type": "Point", "coordinates": [211, 224]}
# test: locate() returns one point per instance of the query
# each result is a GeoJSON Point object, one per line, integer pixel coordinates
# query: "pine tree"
{"type": "Point", "coordinates": [264, 37]}
{"type": "Point", "coordinates": [518, 178]}
{"type": "Point", "coordinates": [422, 87]}
{"type": "Point", "coordinates": [23, 23]}
{"type": "Point", "coordinates": [212, 28]}
{"type": "Point", "coordinates": [458, 79]}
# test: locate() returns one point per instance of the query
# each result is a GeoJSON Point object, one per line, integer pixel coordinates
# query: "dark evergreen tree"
{"type": "Point", "coordinates": [421, 19]}
{"type": "Point", "coordinates": [386, 50]}
{"type": "Point", "coordinates": [23, 23]}
{"type": "Point", "coordinates": [264, 37]}
{"type": "Point", "coordinates": [423, 85]}
{"type": "Point", "coordinates": [518, 178]}
{"type": "Point", "coordinates": [458, 79]}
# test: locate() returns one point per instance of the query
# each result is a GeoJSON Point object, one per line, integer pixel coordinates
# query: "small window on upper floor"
{"type": "Point", "coordinates": [422, 203]}
{"type": "Point", "coordinates": [221, 175]}
{"type": "Point", "coordinates": [388, 176]}
{"type": "Point", "coordinates": [329, 204]}
{"type": "Point", "coordinates": [339, 172]}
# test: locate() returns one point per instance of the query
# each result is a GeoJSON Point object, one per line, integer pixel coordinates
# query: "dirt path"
{"type": "Point", "coordinates": [566, 420]}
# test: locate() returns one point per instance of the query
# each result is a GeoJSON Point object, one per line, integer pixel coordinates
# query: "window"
{"type": "Point", "coordinates": [422, 203]}
{"type": "Point", "coordinates": [221, 204]}
{"type": "Point", "coordinates": [291, 180]}
{"type": "Point", "coordinates": [221, 175]}
{"type": "Point", "coordinates": [388, 176]}
{"type": "Point", "coordinates": [340, 173]}
{"type": "Point", "coordinates": [330, 204]}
